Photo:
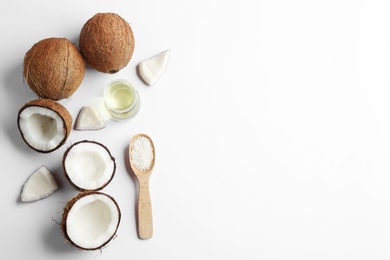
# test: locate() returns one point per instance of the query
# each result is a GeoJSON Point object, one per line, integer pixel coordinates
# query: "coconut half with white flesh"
{"type": "Point", "coordinates": [39, 185]}
{"type": "Point", "coordinates": [88, 165]}
{"type": "Point", "coordinates": [90, 220]}
{"type": "Point", "coordinates": [44, 124]}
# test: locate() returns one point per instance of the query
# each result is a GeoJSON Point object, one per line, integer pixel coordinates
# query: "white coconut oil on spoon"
{"type": "Point", "coordinates": [142, 158]}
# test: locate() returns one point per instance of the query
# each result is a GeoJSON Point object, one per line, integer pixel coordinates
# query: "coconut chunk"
{"type": "Point", "coordinates": [88, 165]}
{"type": "Point", "coordinates": [152, 69]}
{"type": "Point", "coordinates": [90, 220]}
{"type": "Point", "coordinates": [39, 185]}
{"type": "Point", "coordinates": [89, 119]}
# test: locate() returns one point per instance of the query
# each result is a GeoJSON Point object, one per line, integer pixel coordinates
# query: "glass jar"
{"type": "Point", "coordinates": [121, 99]}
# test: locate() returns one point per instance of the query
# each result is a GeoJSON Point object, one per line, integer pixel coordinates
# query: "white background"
{"type": "Point", "coordinates": [271, 126]}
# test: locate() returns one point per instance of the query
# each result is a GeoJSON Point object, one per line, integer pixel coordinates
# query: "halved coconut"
{"type": "Point", "coordinates": [88, 165]}
{"type": "Point", "coordinates": [39, 185]}
{"type": "Point", "coordinates": [90, 220]}
{"type": "Point", "coordinates": [44, 124]}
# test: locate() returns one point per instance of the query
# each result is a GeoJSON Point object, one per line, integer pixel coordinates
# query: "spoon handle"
{"type": "Point", "coordinates": [145, 219]}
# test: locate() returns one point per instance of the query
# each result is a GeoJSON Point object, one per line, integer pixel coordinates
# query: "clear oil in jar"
{"type": "Point", "coordinates": [121, 99]}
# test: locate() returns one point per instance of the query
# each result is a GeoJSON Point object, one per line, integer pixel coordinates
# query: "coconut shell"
{"type": "Point", "coordinates": [66, 172]}
{"type": "Point", "coordinates": [54, 68]}
{"type": "Point", "coordinates": [69, 206]}
{"type": "Point", "coordinates": [56, 107]}
{"type": "Point", "coordinates": [107, 42]}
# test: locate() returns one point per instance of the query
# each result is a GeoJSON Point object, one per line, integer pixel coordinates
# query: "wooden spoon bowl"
{"type": "Point", "coordinates": [145, 219]}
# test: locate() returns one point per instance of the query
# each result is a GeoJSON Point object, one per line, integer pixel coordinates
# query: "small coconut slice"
{"type": "Point", "coordinates": [44, 124]}
{"type": "Point", "coordinates": [88, 165]}
{"type": "Point", "coordinates": [89, 119]}
{"type": "Point", "coordinates": [90, 220]}
{"type": "Point", "coordinates": [39, 185]}
{"type": "Point", "coordinates": [152, 69]}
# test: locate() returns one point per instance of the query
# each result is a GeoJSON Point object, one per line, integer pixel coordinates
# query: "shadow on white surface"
{"type": "Point", "coordinates": [19, 199]}
{"type": "Point", "coordinates": [17, 93]}
{"type": "Point", "coordinates": [134, 180]}
{"type": "Point", "coordinates": [13, 82]}
{"type": "Point", "coordinates": [54, 240]}
{"type": "Point", "coordinates": [63, 184]}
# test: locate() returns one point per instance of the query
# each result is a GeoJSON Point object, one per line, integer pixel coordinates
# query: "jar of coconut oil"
{"type": "Point", "coordinates": [121, 99]}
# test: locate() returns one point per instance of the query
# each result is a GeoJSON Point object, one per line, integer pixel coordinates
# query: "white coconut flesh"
{"type": "Point", "coordinates": [42, 128]}
{"type": "Point", "coordinates": [153, 68]}
{"type": "Point", "coordinates": [92, 221]}
{"type": "Point", "coordinates": [89, 119]}
{"type": "Point", "coordinates": [89, 165]}
{"type": "Point", "coordinates": [39, 185]}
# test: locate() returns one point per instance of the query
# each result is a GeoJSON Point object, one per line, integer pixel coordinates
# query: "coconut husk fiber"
{"type": "Point", "coordinates": [107, 42]}
{"type": "Point", "coordinates": [54, 68]}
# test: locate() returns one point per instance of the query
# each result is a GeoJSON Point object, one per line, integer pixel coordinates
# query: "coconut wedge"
{"type": "Point", "coordinates": [90, 220]}
{"type": "Point", "coordinates": [88, 165]}
{"type": "Point", "coordinates": [152, 69]}
{"type": "Point", "coordinates": [89, 119]}
{"type": "Point", "coordinates": [39, 185]}
{"type": "Point", "coordinates": [44, 124]}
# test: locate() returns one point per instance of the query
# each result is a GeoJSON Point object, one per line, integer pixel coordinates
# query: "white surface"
{"type": "Point", "coordinates": [271, 127]}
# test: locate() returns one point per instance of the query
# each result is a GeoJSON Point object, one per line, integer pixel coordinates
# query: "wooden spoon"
{"type": "Point", "coordinates": [145, 220]}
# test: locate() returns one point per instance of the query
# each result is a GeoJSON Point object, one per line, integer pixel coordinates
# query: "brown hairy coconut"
{"type": "Point", "coordinates": [107, 42]}
{"type": "Point", "coordinates": [44, 124]}
{"type": "Point", "coordinates": [90, 220]}
{"type": "Point", "coordinates": [54, 68]}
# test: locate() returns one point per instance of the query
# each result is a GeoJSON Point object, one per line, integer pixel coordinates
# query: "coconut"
{"type": "Point", "coordinates": [39, 185]}
{"type": "Point", "coordinates": [88, 165]}
{"type": "Point", "coordinates": [90, 220]}
{"type": "Point", "coordinates": [89, 119]}
{"type": "Point", "coordinates": [54, 68]}
{"type": "Point", "coordinates": [44, 124]}
{"type": "Point", "coordinates": [107, 42]}
{"type": "Point", "coordinates": [153, 68]}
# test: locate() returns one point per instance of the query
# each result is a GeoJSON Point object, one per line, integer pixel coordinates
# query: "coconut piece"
{"type": "Point", "coordinates": [39, 185]}
{"type": "Point", "coordinates": [89, 119]}
{"type": "Point", "coordinates": [152, 69]}
{"type": "Point", "coordinates": [88, 165]}
{"type": "Point", "coordinates": [44, 124]}
{"type": "Point", "coordinates": [107, 42]}
{"type": "Point", "coordinates": [54, 68]}
{"type": "Point", "coordinates": [90, 220]}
